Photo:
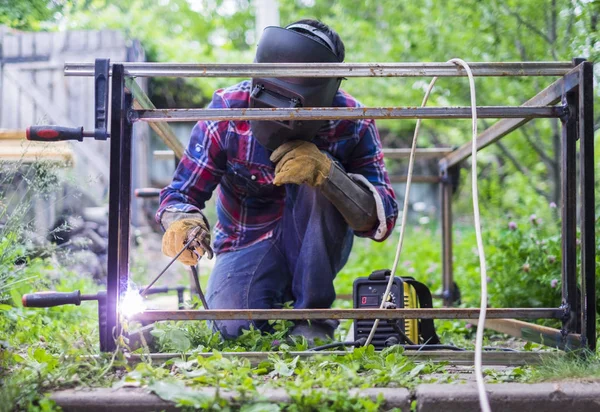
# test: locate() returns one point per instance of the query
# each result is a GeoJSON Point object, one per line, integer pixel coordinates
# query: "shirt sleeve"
{"type": "Point", "coordinates": [366, 166]}
{"type": "Point", "coordinates": [200, 169]}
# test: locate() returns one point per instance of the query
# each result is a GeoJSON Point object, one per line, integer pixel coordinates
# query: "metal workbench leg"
{"type": "Point", "coordinates": [119, 206]}
{"type": "Point", "coordinates": [569, 211]}
{"type": "Point", "coordinates": [586, 164]}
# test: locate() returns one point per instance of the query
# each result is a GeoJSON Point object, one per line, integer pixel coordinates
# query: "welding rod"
{"type": "Point", "coordinates": [143, 293]}
{"type": "Point", "coordinates": [198, 288]}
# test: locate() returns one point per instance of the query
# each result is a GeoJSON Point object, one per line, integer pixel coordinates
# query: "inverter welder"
{"type": "Point", "coordinates": [406, 292]}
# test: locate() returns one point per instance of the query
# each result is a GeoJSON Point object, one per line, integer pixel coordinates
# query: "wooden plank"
{"type": "Point", "coordinates": [31, 152]}
{"type": "Point", "coordinates": [534, 333]}
{"type": "Point", "coordinates": [99, 164]}
{"type": "Point", "coordinates": [12, 134]}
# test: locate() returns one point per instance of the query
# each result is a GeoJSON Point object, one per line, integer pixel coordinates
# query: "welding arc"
{"type": "Point", "coordinates": [187, 245]}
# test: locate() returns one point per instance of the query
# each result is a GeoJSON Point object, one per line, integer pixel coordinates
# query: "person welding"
{"type": "Point", "coordinates": [291, 195]}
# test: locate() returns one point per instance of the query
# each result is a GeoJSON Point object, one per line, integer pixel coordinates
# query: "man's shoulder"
{"type": "Point", "coordinates": [235, 96]}
{"type": "Point", "coordinates": [345, 99]}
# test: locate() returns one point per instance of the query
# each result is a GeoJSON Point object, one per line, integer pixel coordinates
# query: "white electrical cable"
{"type": "Point", "coordinates": [483, 398]}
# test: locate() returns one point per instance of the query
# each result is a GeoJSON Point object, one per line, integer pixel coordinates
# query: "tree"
{"type": "Point", "coordinates": [382, 31]}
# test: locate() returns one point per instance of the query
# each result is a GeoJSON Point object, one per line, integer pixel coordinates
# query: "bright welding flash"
{"type": "Point", "coordinates": [132, 303]}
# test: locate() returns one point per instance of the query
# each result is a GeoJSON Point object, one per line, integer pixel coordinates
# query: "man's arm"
{"type": "Point", "coordinates": [363, 195]}
{"type": "Point", "coordinates": [366, 165]}
{"type": "Point", "coordinates": [198, 173]}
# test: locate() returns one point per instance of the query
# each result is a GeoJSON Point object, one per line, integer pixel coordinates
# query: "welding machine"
{"type": "Point", "coordinates": [406, 292]}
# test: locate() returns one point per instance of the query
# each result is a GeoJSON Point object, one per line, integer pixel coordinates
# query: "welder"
{"type": "Point", "coordinates": [291, 195]}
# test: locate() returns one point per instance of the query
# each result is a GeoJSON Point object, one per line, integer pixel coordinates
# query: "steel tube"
{"type": "Point", "coordinates": [587, 182]}
{"type": "Point", "coordinates": [115, 203]}
{"type": "Point", "coordinates": [389, 153]}
{"type": "Point", "coordinates": [415, 179]}
{"type": "Point", "coordinates": [446, 217]}
{"type": "Point", "coordinates": [323, 113]}
{"type": "Point", "coordinates": [550, 95]}
{"type": "Point", "coordinates": [267, 314]}
{"type": "Point", "coordinates": [452, 357]}
{"type": "Point", "coordinates": [568, 188]}
{"type": "Point", "coordinates": [420, 153]}
{"type": "Point", "coordinates": [328, 69]}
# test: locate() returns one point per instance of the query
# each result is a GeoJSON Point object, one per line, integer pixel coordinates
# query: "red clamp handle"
{"type": "Point", "coordinates": [54, 133]}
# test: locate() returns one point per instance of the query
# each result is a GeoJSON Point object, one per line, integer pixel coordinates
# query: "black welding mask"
{"type": "Point", "coordinates": [286, 45]}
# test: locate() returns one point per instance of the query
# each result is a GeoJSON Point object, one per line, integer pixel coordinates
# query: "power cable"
{"type": "Point", "coordinates": [483, 399]}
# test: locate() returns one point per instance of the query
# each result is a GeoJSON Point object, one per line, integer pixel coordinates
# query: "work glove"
{"type": "Point", "coordinates": [298, 162]}
{"type": "Point", "coordinates": [180, 232]}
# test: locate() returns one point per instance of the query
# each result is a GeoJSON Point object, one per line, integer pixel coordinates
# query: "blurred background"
{"type": "Point", "coordinates": [519, 176]}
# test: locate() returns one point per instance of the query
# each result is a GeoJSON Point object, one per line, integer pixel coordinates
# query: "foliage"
{"type": "Point", "coordinates": [29, 14]}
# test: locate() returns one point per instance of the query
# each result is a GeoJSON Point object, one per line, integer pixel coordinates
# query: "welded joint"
{"type": "Point", "coordinates": [568, 319]}
{"type": "Point", "coordinates": [448, 175]}
{"type": "Point", "coordinates": [132, 115]}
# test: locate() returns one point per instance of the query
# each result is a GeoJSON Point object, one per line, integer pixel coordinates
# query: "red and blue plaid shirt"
{"type": "Point", "coordinates": [224, 155]}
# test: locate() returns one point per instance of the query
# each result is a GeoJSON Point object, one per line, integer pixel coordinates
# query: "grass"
{"type": "Point", "coordinates": [49, 349]}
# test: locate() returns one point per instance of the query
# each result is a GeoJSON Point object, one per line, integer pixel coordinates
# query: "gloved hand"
{"type": "Point", "coordinates": [177, 235]}
{"type": "Point", "coordinates": [299, 161]}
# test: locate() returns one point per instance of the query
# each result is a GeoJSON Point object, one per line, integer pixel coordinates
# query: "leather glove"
{"type": "Point", "coordinates": [177, 235]}
{"type": "Point", "coordinates": [299, 161]}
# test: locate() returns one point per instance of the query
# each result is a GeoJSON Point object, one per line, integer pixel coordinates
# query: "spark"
{"type": "Point", "coordinates": [131, 302]}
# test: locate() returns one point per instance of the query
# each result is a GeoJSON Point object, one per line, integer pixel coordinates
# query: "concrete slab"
{"type": "Point", "coordinates": [140, 400]}
{"type": "Point", "coordinates": [547, 397]}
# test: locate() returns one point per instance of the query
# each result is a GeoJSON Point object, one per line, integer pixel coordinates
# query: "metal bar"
{"type": "Point", "coordinates": [163, 130]}
{"type": "Point", "coordinates": [415, 179]}
{"type": "Point", "coordinates": [446, 211]}
{"type": "Point", "coordinates": [535, 333]}
{"type": "Point", "coordinates": [287, 314]}
{"type": "Point", "coordinates": [588, 241]}
{"type": "Point", "coordinates": [125, 196]}
{"type": "Point", "coordinates": [111, 324]}
{"type": "Point", "coordinates": [568, 185]}
{"type": "Point", "coordinates": [420, 153]}
{"type": "Point", "coordinates": [326, 113]}
{"type": "Point", "coordinates": [452, 357]}
{"type": "Point", "coordinates": [329, 69]}
{"type": "Point", "coordinates": [550, 95]}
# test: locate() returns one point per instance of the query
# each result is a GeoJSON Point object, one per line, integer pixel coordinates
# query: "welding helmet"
{"type": "Point", "coordinates": [297, 43]}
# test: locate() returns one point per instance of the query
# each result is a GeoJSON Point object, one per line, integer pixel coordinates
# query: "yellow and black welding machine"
{"type": "Point", "coordinates": [407, 293]}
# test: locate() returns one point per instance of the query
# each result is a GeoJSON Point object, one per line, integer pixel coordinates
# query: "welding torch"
{"type": "Point", "coordinates": [198, 237]}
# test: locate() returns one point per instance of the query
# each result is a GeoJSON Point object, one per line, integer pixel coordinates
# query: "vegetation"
{"type": "Point", "coordinates": [46, 349]}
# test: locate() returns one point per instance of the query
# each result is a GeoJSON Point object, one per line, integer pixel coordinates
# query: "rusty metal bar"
{"type": "Point", "coordinates": [287, 314]}
{"type": "Point", "coordinates": [323, 113]}
{"type": "Point", "coordinates": [415, 179]}
{"type": "Point", "coordinates": [328, 69]}
{"type": "Point", "coordinates": [452, 357]}
{"type": "Point", "coordinates": [420, 153]}
{"type": "Point", "coordinates": [389, 153]}
{"type": "Point", "coordinates": [550, 95]}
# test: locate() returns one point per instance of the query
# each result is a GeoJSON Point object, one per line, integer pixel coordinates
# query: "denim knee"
{"type": "Point", "coordinates": [231, 329]}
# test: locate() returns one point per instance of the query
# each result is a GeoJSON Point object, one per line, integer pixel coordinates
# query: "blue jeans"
{"type": "Point", "coordinates": [309, 247]}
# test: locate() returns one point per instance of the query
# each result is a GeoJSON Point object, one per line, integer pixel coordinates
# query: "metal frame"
{"type": "Point", "coordinates": [574, 89]}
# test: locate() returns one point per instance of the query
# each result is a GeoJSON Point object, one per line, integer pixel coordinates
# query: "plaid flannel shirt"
{"type": "Point", "coordinates": [224, 155]}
